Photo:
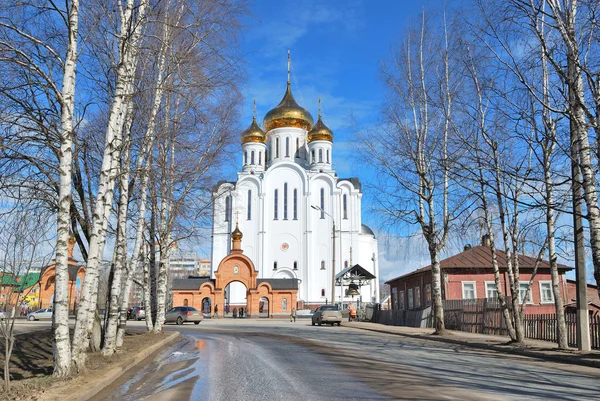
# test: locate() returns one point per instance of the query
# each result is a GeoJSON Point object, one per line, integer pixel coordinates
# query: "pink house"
{"type": "Point", "coordinates": [470, 275]}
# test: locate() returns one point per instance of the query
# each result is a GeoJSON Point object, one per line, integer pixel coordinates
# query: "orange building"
{"type": "Point", "coordinates": [76, 277]}
{"type": "Point", "coordinates": [264, 297]}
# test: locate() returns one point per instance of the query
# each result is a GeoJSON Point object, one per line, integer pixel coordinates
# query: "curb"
{"type": "Point", "coordinates": [115, 373]}
{"type": "Point", "coordinates": [566, 359]}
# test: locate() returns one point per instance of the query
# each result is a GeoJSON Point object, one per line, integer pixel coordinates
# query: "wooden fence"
{"type": "Point", "coordinates": [485, 316]}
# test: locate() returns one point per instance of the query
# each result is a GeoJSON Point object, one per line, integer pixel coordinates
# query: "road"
{"type": "Point", "coordinates": [279, 360]}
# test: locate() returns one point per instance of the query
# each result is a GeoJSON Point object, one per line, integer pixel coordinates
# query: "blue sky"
{"type": "Point", "coordinates": [336, 51]}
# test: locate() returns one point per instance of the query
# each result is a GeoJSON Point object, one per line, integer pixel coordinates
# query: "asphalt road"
{"type": "Point", "coordinates": [278, 360]}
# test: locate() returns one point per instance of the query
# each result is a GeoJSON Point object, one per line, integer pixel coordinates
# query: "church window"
{"type": "Point", "coordinates": [287, 146]}
{"type": "Point", "coordinates": [322, 265]}
{"type": "Point", "coordinates": [345, 197]}
{"type": "Point", "coordinates": [295, 204]}
{"type": "Point", "coordinates": [297, 144]}
{"type": "Point", "coordinates": [260, 158]}
{"type": "Point", "coordinates": [322, 292]}
{"type": "Point", "coordinates": [312, 156]}
{"type": "Point", "coordinates": [322, 203]}
{"type": "Point", "coordinates": [249, 204]}
{"type": "Point", "coordinates": [185, 302]}
{"type": "Point", "coordinates": [295, 265]}
{"type": "Point", "coordinates": [274, 265]}
{"type": "Point", "coordinates": [327, 155]}
{"type": "Point", "coordinates": [227, 207]}
{"type": "Point", "coordinates": [284, 304]}
{"type": "Point", "coordinates": [275, 200]}
{"type": "Point", "coordinates": [285, 200]}
{"type": "Point", "coordinates": [345, 264]}
{"type": "Point", "coordinates": [252, 157]}
{"type": "Point", "coordinates": [276, 148]}
{"type": "Point", "coordinates": [320, 155]}
{"type": "Point", "coordinates": [245, 157]}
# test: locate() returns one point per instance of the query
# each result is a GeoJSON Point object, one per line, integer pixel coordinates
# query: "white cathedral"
{"type": "Point", "coordinates": [286, 200]}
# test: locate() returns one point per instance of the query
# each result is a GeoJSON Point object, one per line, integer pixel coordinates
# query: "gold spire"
{"type": "Point", "coordinates": [288, 113]}
{"type": "Point", "coordinates": [320, 132]}
{"type": "Point", "coordinates": [254, 133]}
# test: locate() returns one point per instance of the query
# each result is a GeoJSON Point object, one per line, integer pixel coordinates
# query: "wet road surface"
{"type": "Point", "coordinates": [260, 360]}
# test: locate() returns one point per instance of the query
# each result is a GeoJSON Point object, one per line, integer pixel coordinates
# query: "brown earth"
{"type": "Point", "coordinates": [31, 365]}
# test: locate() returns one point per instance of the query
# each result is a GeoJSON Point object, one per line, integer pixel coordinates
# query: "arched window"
{"type": "Point", "coordinates": [287, 146]}
{"type": "Point", "coordinates": [245, 157]}
{"type": "Point", "coordinates": [345, 197]}
{"type": "Point", "coordinates": [252, 157]}
{"type": "Point", "coordinates": [320, 155]}
{"type": "Point", "coordinates": [295, 265]}
{"type": "Point", "coordinates": [295, 204]}
{"type": "Point", "coordinates": [312, 156]}
{"type": "Point", "coordinates": [249, 204]}
{"type": "Point", "coordinates": [260, 158]}
{"type": "Point", "coordinates": [227, 207]}
{"type": "Point", "coordinates": [275, 201]}
{"type": "Point", "coordinates": [322, 292]}
{"type": "Point", "coordinates": [276, 148]}
{"type": "Point", "coordinates": [284, 304]}
{"type": "Point", "coordinates": [322, 203]}
{"type": "Point", "coordinates": [327, 155]}
{"type": "Point", "coordinates": [274, 265]}
{"type": "Point", "coordinates": [185, 302]}
{"type": "Point", "coordinates": [322, 265]}
{"type": "Point", "coordinates": [297, 144]}
{"type": "Point", "coordinates": [345, 264]}
{"type": "Point", "coordinates": [285, 200]}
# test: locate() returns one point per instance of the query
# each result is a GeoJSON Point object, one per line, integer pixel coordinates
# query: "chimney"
{"type": "Point", "coordinates": [467, 247]}
{"type": "Point", "coordinates": [72, 242]}
{"type": "Point", "coordinates": [486, 240]}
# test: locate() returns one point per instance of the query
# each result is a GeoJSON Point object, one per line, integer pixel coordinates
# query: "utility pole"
{"type": "Point", "coordinates": [583, 322]}
{"type": "Point", "coordinates": [333, 249]}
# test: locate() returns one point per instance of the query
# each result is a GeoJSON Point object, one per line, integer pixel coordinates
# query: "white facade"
{"type": "Point", "coordinates": [283, 236]}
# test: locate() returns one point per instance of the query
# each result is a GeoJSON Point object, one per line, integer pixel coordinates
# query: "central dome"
{"type": "Point", "coordinates": [288, 114]}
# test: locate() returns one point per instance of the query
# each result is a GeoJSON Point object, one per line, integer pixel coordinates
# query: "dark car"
{"type": "Point", "coordinates": [137, 313]}
{"type": "Point", "coordinates": [327, 314]}
{"type": "Point", "coordinates": [182, 314]}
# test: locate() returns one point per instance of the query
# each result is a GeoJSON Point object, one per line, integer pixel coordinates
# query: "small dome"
{"type": "Point", "coordinates": [254, 133]}
{"type": "Point", "coordinates": [236, 235]}
{"type": "Point", "coordinates": [288, 114]}
{"type": "Point", "coordinates": [364, 229]}
{"type": "Point", "coordinates": [320, 132]}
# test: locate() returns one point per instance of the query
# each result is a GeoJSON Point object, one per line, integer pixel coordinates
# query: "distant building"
{"type": "Point", "coordinates": [183, 264]}
{"type": "Point", "coordinates": [470, 275]}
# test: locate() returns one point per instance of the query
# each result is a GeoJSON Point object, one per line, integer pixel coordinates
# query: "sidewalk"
{"type": "Point", "coordinates": [532, 348]}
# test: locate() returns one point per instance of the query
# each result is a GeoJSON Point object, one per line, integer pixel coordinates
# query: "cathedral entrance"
{"type": "Point", "coordinates": [263, 307]}
{"type": "Point", "coordinates": [236, 300]}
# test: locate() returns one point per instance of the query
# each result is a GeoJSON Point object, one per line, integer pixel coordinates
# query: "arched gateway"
{"type": "Point", "coordinates": [281, 293]}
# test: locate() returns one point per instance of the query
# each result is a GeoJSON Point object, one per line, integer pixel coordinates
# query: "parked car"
{"type": "Point", "coordinates": [137, 313]}
{"type": "Point", "coordinates": [40, 314]}
{"type": "Point", "coordinates": [327, 314]}
{"type": "Point", "coordinates": [182, 314]}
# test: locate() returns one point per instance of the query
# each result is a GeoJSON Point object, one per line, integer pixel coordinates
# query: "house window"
{"type": "Point", "coordinates": [276, 148]}
{"type": "Point", "coordinates": [249, 217]}
{"type": "Point", "coordinates": [245, 157]}
{"type": "Point", "coordinates": [491, 290]}
{"type": "Point", "coordinates": [410, 298]}
{"type": "Point", "coordinates": [295, 265]}
{"type": "Point", "coordinates": [284, 304]}
{"type": "Point", "coordinates": [295, 204]}
{"type": "Point", "coordinates": [322, 203]}
{"type": "Point", "coordinates": [285, 200]}
{"type": "Point", "coordinates": [320, 155]}
{"type": "Point", "coordinates": [345, 197]}
{"type": "Point", "coordinates": [185, 302]}
{"type": "Point", "coordinates": [322, 292]}
{"type": "Point", "coordinates": [274, 265]}
{"type": "Point", "coordinates": [252, 157]}
{"type": "Point", "coordinates": [427, 294]}
{"type": "Point", "coordinates": [322, 265]}
{"type": "Point", "coordinates": [275, 201]}
{"type": "Point", "coordinates": [417, 297]}
{"type": "Point", "coordinates": [522, 290]}
{"type": "Point", "coordinates": [287, 146]}
{"type": "Point", "coordinates": [394, 298]}
{"type": "Point", "coordinates": [468, 290]}
{"type": "Point", "coordinates": [400, 303]}
{"type": "Point", "coordinates": [227, 207]}
{"type": "Point", "coordinates": [546, 295]}
{"type": "Point", "coordinates": [327, 155]}
{"type": "Point", "coordinates": [260, 158]}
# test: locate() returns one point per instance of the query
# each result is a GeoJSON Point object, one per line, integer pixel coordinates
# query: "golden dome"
{"type": "Point", "coordinates": [288, 114]}
{"type": "Point", "coordinates": [320, 132]}
{"type": "Point", "coordinates": [236, 235]}
{"type": "Point", "coordinates": [254, 133]}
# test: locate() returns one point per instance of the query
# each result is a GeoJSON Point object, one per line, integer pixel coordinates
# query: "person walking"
{"type": "Point", "coordinates": [216, 315]}
{"type": "Point", "coordinates": [293, 315]}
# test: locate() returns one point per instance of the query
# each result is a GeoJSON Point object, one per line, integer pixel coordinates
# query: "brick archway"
{"type": "Point", "coordinates": [236, 267]}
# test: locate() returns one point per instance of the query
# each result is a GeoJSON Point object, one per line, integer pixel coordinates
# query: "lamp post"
{"type": "Point", "coordinates": [333, 253]}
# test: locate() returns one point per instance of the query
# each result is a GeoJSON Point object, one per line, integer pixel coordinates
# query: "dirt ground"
{"type": "Point", "coordinates": [31, 363]}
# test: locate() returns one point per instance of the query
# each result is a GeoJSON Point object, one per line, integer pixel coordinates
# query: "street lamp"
{"type": "Point", "coordinates": [333, 253]}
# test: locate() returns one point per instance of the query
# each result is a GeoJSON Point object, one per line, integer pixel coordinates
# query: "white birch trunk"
{"type": "Point", "coordinates": [60, 317]}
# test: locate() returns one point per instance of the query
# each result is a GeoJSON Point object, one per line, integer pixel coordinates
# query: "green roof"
{"type": "Point", "coordinates": [24, 283]}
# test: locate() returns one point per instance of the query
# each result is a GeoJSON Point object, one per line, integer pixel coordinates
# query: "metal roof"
{"type": "Point", "coordinates": [189, 283]}
{"type": "Point", "coordinates": [279, 283]}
